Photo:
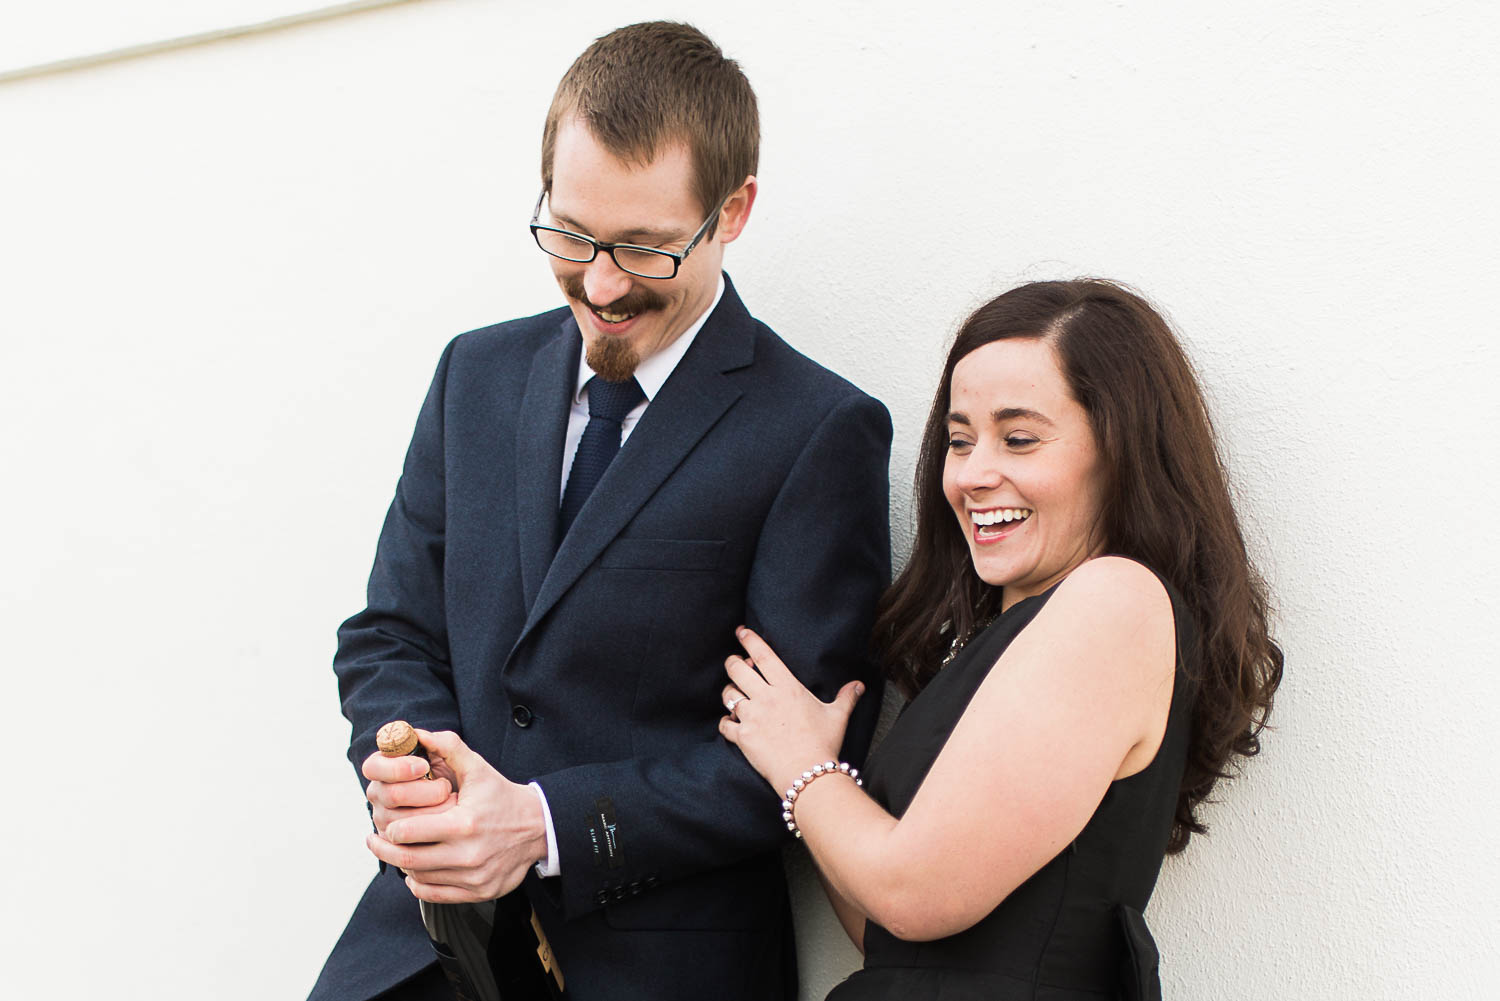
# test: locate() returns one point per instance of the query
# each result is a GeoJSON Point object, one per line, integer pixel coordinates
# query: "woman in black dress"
{"type": "Point", "coordinates": [1085, 647]}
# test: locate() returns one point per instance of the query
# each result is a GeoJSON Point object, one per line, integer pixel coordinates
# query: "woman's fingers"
{"type": "Point", "coordinates": [846, 698]}
{"type": "Point", "coordinates": [731, 697]}
{"type": "Point", "coordinates": [764, 657]}
{"type": "Point", "coordinates": [744, 676]}
{"type": "Point", "coordinates": [729, 729]}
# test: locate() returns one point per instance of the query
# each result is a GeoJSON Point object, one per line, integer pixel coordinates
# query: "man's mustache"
{"type": "Point", "coordinates": [637, 300]}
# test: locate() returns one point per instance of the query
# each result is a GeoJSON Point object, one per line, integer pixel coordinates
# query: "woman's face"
{"type": "Point", "coordinates": [1023, 473]}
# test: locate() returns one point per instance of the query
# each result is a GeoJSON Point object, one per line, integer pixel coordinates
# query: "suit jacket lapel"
{"type": "Point", "coordinates": [540, 434]}
{"type": "Point", "coordinates": [691, 401]}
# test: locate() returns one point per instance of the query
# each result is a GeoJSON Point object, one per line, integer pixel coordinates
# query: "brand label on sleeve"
{"type": "Point", "coordinates": [604, 835]}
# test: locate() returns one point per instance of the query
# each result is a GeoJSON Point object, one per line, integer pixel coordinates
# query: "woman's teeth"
{"type": "Point", "coordinates": [1000, 515]}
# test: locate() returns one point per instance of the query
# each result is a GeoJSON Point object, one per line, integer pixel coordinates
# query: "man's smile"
{"type": "Point", "coordinates": [622, 310]}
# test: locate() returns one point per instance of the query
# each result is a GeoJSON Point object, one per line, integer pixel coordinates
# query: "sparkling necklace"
{"type": "Point", "coordinates": [959, 642]}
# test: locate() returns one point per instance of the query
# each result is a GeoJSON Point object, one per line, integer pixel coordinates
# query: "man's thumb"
{"type": "Point", "coordinates": [451, 749]}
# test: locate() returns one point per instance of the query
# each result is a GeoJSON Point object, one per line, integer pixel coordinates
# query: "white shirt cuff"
{"type": "Point", "coordinates": [548, 866]}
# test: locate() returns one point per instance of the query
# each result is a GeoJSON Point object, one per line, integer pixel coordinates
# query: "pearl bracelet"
{"type": "Point", "coordinates": [816, 772]}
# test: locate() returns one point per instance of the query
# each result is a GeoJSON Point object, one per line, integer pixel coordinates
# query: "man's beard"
{"type": "Point", "coordinates": [613, 358]}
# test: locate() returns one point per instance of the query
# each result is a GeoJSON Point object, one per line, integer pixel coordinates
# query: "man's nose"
{"type": "Point", "coordinates": [603, 281]}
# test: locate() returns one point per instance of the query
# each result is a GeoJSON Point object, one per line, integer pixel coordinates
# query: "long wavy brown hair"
{"type": "Point", "coordinates": [1166, 503]}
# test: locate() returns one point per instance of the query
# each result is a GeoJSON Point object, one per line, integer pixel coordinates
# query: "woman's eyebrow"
{"type": "Point", "coordinates": [1024, 413]}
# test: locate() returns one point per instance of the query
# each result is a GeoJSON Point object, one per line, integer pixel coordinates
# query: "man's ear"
{"type": "Point", "coordinates": [736, 211]}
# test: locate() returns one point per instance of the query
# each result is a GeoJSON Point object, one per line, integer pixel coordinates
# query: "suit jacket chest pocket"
{"type": "Point", "coordinates": [685, 597]}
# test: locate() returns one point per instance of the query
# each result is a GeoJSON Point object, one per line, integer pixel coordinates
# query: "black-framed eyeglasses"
{"type": "Point", "coordinates": [643, 262]}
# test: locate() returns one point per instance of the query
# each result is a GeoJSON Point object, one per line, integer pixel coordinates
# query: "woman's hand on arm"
{"type": "Point", "coordinates": [781, 727]}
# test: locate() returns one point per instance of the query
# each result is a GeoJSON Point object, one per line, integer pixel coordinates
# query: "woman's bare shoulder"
{"type": "Point", "coordinates": [1112, 605]}
{"type": "Point", "coordinates": [1114, 585]}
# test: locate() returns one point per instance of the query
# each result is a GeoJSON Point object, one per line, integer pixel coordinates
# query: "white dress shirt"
{"type": "Point", "coordinates": [652, 374]}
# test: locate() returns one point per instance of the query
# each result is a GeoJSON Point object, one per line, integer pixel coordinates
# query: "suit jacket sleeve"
{"type": "Point", "coordinates": [822, 558]}
{"type": "Point", "coordinates": [392, 660]}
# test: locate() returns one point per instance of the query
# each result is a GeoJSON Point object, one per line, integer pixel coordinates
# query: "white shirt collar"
{"type": "Point", "coordinates": [652, 373]}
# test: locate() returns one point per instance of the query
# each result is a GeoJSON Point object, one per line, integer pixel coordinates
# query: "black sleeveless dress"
{"type": "Point", "coordinates": [1074, 930]}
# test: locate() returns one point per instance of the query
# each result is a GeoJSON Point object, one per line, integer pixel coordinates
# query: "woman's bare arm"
{"type": "Point", "coordinates": [851, 917]}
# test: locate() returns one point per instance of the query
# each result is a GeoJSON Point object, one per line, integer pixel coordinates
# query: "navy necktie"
{"type": "Point", "coordinates": [609, 402]}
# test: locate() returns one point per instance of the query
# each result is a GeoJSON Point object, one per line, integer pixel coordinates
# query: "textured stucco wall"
{"type": "Point", "coordinates": [226, 273]}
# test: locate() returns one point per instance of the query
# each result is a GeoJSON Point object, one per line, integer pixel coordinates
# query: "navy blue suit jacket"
{"type": "Point", "coordinates": [752, 491]}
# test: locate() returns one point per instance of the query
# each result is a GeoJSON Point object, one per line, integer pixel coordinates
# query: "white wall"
{"type": "Point", "coordinates": [69, 31]}
{"type": "Point", "coordinates": [227, 271]}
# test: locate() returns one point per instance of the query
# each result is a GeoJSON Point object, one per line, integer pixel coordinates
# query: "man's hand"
{"type": "Point", "coordinates": [397, 788]}
{"type": "Point", "coordinates": [475, 845]}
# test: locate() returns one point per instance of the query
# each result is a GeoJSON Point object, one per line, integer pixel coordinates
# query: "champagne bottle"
{"type": "Point", "coordinates": [490, 951]}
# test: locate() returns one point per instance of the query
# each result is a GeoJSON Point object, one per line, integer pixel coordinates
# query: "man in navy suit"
{"type": "Point", "coordinates": [593, 499]}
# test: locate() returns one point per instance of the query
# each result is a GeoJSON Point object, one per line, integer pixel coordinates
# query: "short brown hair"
{"type": "Point", "coordinates": [645, 85]}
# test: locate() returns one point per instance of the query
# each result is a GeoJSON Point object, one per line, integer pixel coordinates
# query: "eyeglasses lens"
{"type": "Point", "coordinates": [644, 263]}
{"type": "Point", "coordinates": [562, 245]}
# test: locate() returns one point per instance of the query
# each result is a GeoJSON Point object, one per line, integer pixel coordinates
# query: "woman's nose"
{"type": "Point", "coordinates": [981, 474]}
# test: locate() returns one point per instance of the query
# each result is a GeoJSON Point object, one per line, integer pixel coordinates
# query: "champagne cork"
{"type": "Point", "coordinates": [397, 739]}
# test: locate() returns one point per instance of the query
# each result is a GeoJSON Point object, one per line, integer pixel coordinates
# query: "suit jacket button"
{"type": "Point", "coordinates": [621, 893]}
{"type": "Point", "coordinates": [651, 881]}
{"type": "Point", "coordinates": [602, 897]}
{"type": "Point", "coordinates": [635, 889]}
{"type": "Point", "coordinates": [522, 716]}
